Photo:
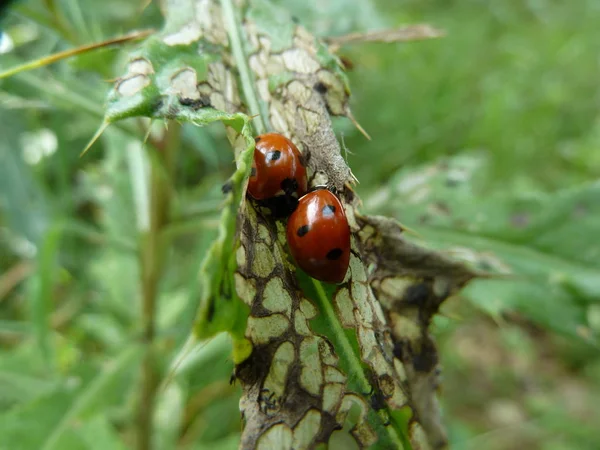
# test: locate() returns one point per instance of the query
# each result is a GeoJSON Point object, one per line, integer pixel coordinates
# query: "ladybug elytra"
{"type": "Point", "coordinates": [277, 169]}
{"type": "Point", "coordinates": [318, 236]}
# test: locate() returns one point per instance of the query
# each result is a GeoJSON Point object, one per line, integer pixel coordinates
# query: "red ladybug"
{"type": "Point", "coordinates": [319, 236]}
{"type": "Point", "coordinates": [277, 170]}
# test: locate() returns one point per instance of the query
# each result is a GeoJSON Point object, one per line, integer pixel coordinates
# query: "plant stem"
{"type": "Point", "coordinates": [241, 60]}
{"type": "Point", "coordinates": [50, 59]}
{"type": "Point", "coordinates": [151, 263]}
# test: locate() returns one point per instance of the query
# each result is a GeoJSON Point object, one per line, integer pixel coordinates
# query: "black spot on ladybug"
{"type": "Point", "coordinates": [302, 230]}
{"type": "Point", "coordinates": [320, 88]}
{"type": "Point", "coordinates": [334, 254]}
{"type": "Point", "coordinates": [257, 139]}
{"type": "Point", "coordinates": [328, 210]}
{"type": "Point", "coordinates": [253, 172]}
{"type": "Point", "coordinates": [227, 187]}
{"type": "Point", "coordinates": [273, 156]}
{"type": "Point", "coordinates": [289, 186]}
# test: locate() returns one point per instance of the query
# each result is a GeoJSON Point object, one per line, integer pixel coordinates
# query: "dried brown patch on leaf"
{"type": "Point", "coordinates": [301, 86]}
{"type": "Point", "coordinates": [200, 72]}
{"type": "Point", "coordinates": [411, 283]}
{"type": "Point", "coordinates": [292, 386]}
{"type": "Point", "coordinates": [376, 340]}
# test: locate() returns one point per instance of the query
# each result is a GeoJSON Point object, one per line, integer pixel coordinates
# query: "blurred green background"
{"type": "Point", "coordinates": [485, 142]}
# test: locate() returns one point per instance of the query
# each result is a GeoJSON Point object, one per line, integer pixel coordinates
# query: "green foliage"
{"type": "Point", "coordinates": [511, 80]}
{"type": "Point", "coordinates": [544, 240]}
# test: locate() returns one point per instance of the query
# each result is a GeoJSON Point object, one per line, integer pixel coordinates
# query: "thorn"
{"type": "Point", "coordinates": [347, 63]}
{"type": "Point", "coordinates": [502, 276]}
{"type": "Point", "coordinates": [452, 316]}
{"type": "Point", "coordinates": [149, 132]}
{"type": "Point", "coordinates": [50, 59]}
{"type": "Point", "coordinates": [356, 124]}
{"type": "Point", "coordinates": [96, 136]}
{"type": "Point", "coordinates": [346, 153]}
{"type": "Point", "coordinates": [410, 231]}
{"type": "Point", "coordinates": [403, 34]}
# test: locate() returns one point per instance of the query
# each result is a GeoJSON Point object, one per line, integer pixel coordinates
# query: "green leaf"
{"type": "Point", "coordinates": [276, 23]}
{"type": "Point", "coordinates": [168, 415]}
{"type": "Point", "coordinates": [104, 328]}
{"type": "Point", "coordinates": [92, 395]}
{"type": "Point", "coordinates": [42, 295]}
{"type": "Point", "coordinates": [40, 424]}
{"type": "Point", "coordinates": [220, 308]}
{"type": "Point", "coordinates": [10, 327]}
{"type": "Point", "coordinates": [98, 433]}
{"type": "Point", "coordinates": [161, 82]}
{"type": "Point", "coordinates": [18, 186]}
{"type": "Point", "coordinates": [545, 240]}
{"type": "Point", "coordinates": [19, 387]}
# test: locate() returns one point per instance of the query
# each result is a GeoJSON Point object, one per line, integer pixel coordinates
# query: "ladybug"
{"type": "Point", "coordinates": [318, 236]}
{"type": "Point", "coordinates": [278, 174]}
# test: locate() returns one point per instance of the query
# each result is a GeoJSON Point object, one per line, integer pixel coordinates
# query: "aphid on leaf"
{"type": "Point", "coordinates": [318, 236]}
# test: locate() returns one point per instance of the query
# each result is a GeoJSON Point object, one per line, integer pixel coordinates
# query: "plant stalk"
{"type": "Point", "coordinates": [162, 163]}
{"type": "Point", "coordinates": [246, 77]}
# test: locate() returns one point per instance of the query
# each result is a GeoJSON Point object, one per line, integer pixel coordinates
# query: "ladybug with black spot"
{"type": "Point", "coordinates": [278, 175]}
{"type": "Point", "coordinates": [318, 236]}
